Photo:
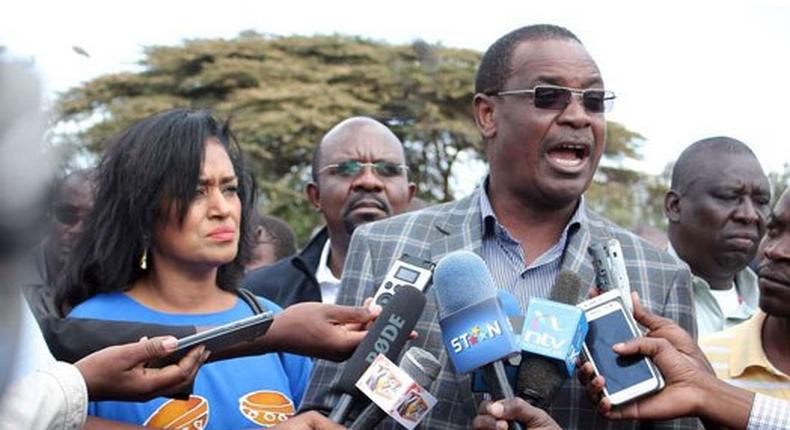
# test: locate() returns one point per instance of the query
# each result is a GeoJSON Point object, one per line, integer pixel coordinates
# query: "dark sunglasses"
{"type": "Point", "coordinates": [351, 168]}
{"type": "Point", "coordinates": [66, 215]}
{"type": "Point", "coordinates": [558, 98]}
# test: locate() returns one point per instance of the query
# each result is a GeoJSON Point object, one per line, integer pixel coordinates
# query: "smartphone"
{"type": "Point", "coordinates": [220, 337]}
{"type": "Point", "coordinates": [627, 378]}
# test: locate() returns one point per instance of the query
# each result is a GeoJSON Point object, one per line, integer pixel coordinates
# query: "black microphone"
{"type": "Point", "coordinates": [539, 377]}
{"type": "Point", "coordinates": [386, 336]}
{"type": "Point", "coordinates": [421, 366]}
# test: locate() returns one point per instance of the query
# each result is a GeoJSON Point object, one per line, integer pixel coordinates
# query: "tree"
{"type": "Point", "coordinates": [284, 93]}
{"type": "Point", "coordinates": [780, 181]}
{"type": "Point", "coordinates": [624, 195]}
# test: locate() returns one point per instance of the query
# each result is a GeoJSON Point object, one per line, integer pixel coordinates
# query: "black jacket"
{"type": "Point", "coordinates": [291, 280]}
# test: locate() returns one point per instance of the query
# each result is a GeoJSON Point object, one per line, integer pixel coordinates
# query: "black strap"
{"type": "Point", "coordinates": [252, 301]}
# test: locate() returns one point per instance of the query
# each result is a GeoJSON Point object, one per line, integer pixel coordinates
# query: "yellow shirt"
{"type": "Point", "coordinates": [738, 358]}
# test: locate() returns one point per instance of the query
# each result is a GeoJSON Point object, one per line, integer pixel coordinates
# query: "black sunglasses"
{"type": "Point", "coordinates": [351, 168]}
{"type": "Point", "coordinates": [558, 98]}
{"type": "Point", "coordinates": [66, 215]}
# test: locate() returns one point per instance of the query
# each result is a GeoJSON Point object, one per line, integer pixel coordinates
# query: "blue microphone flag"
{"type": "Point", "coordinates": [554, 330]}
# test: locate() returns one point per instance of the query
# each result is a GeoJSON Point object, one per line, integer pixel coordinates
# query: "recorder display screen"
{"type": "Point", "coordinates": [619, 372]}
{"type": "Point", "coordinates": [407, 275]}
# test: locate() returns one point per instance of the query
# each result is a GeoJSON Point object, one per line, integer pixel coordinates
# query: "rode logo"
{"type": "Point", "coordinates": [477, 334]}
{"type": "Point", "coordinates": [542, 331]}
{"type": "Point", "coordinates": [387, 336]}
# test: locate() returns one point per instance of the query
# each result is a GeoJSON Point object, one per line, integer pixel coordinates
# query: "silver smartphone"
{"type": "Point", "coordinates": [627, 378]}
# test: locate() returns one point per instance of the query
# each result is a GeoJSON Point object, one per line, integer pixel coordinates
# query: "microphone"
{"type": "Point", "coordinates": [551, 339]}
{"type": "Point", "coordinates": [516, 317]}
{"type": "Point", "coordinates": [387, 336]}
{"type": "Point", "coordinates": [421, 366]}
{"type": "Point", "coordinates": [475, 329]}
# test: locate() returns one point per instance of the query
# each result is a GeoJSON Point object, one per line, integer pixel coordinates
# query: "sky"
{"type": "Point", "coordinates": [682, 70]}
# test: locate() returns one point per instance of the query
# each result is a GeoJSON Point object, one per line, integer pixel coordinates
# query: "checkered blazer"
{"type": "Point", "coordinates": [663, 285]}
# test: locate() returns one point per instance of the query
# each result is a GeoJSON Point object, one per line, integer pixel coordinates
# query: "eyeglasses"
{"type": "Point", "coordinates": [558, 98]}
{"type": "Point", "coordinates": [66, 215]}
{"type": "Point", "coordinates": [351, 168]}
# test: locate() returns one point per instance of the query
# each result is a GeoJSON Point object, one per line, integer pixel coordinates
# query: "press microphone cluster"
{"type": "Point", "coordinates": [421, 366]}
{"type": "Point", "coordinates": [386, 336]}
{"type": "Point", "coordinates": [547, 357]}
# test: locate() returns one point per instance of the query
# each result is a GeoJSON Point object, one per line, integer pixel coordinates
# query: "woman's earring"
{"type": "Point", "coordinates": [144, 259]}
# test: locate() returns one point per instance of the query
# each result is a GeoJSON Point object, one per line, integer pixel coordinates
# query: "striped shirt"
{"type": "Point", "coordinates": [738, 357]}
{"type": "Point", "coordinates": [769, 414]}
{"type": "Point", "coordinates": [505, 257]}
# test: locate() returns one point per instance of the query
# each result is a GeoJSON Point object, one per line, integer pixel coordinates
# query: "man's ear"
{"type": "Point", "coordinates": [484, 115]}
{"type": "Point", "coordinates": [412, 190]}
{"type": "Point", "coordinates": [314, 195]}
{"type": "Point", "coordinates": [672, 206]}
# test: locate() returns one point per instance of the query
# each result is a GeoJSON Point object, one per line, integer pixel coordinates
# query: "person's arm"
{"type": "Point", "coordinates": [495, 416]}
{"type": "Point", "coordinates": [53, 397]}
{"type": "Point", "coordinates": [96, 423]}
{"type": "Point", "coordinates": [769, 413]}
{"type": "Point", "coordinates": [308, 421]}
{"type": "Point", "coordinates": [691, 388]}
{"type": "Point", "coordinates": [330, 332]}
{"type": "Point", "coordinates": [71, 339]}
{"type": "Point", "coordinates": [119, 372]}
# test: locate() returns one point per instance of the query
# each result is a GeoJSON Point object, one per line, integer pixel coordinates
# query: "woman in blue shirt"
{"type": "Point", "coordinates": [166, 243]}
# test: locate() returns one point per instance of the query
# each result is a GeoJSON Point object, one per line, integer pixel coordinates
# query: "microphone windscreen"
{"type": "Point", "coordinates": [566, 289]}
{"type": "Point", "coordinates": [539, 379]}
{"type": "Point", "coordinates": [386, 336]}
{"type": "Point", "coordinates": [460, 279]}
{"type": "Point", "coordinates": [421, 365]}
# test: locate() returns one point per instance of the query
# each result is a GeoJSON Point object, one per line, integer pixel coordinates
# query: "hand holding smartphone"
{"type": "Point", "coordinates": [627, 378]}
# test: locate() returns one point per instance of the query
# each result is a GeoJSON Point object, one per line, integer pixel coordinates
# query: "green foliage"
{"type": "Point", "coordinates": [780, 181]}
{"type": "Point", "coordinates": [626, 196]}
{"type": "Point", "coordinates": [284, 93]}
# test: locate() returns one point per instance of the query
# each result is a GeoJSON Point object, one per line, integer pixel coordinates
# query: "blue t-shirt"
{"type": "Point", "coordinates": [229, 394]}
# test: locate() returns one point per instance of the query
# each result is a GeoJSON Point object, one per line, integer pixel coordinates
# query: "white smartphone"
{"type": "Point", "coordinates": [627, 378]}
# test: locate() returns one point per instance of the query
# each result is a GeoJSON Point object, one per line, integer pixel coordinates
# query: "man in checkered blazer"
{"type": "Point", "coordinates": [539, 105]}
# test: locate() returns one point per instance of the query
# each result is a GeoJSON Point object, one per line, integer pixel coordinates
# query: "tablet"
{"type": "Point", "coordinates": [219, 338]}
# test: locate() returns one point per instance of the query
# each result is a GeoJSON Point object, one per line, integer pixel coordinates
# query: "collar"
{"type": "Point", "coordinates": [748, 347]}
{"type": "Point", "coordinates": [492, 226]}
{"type": "Point", "coordinates": [323, 273]}
{"type": "Point", "coordinates": [746, 284]}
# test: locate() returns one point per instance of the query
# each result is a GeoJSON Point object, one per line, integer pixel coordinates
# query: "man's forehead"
{"type": "Point", "coordinates": [75, 191]}
{"type": "Point", "coordinates": [364, 142]}
{"type": "Point", "coordinates": [727, 170]}
{"type": "Point", "coordinates": [554, 61]}
{"type": "Point", "coordinates": [782, 209]}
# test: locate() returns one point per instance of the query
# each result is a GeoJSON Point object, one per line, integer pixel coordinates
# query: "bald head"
{"type": "Point", "coordinates": [698, 159]}
{"type": "Point", "coordinates": [349, 129]}
{"type": "Point", "coordinates": [359, 176]}
{"type": "Point", "coordinates": [717, 208]}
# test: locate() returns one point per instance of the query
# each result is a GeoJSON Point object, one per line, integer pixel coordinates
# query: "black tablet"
{"type": "Point", "coordinates": [220, 337]}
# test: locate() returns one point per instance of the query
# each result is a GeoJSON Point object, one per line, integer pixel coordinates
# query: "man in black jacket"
{"type": "Point", "coordinates": [359, 175]}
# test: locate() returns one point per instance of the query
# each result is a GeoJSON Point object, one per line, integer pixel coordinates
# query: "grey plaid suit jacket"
{"type": "Point", "coordinates": [662, 283]}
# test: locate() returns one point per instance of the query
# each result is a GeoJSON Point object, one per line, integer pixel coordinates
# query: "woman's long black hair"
{"type": "Point", "coordinates": [147, 170]}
